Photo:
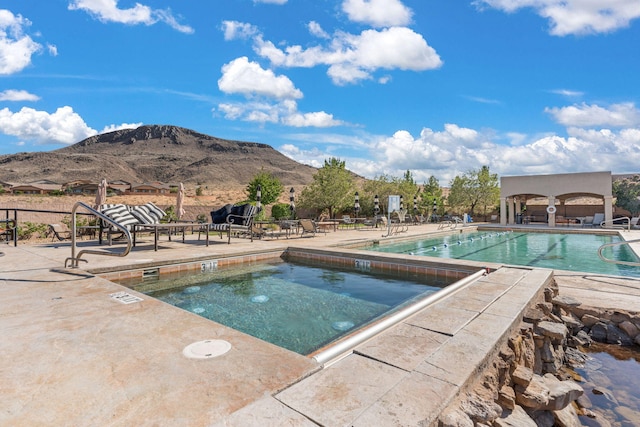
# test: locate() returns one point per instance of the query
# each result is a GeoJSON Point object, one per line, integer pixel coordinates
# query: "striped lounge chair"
{"type": "Point", "coordinates": [238, 222]}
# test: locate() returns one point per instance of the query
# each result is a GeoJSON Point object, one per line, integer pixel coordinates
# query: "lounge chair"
{"type": "Point", "coordinates": [596, 221]}
{"type": "Point", "coordinates": [347, 221]}
{"type": "Point", "coordinates": [59, 231]}
{"type": "Point", "coordinates": [238, 221]}
{"type": "Point", "coordinates": [308, 227]}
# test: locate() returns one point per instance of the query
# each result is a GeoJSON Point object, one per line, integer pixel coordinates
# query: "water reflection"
{"type": "Point", "coordinates": [610, 381]}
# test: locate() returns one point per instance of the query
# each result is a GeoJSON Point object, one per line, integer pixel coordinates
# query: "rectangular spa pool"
{"type": "Point", "coordinates": [298, 306]}
{"type": "Point", "coordinates": [562, 251]}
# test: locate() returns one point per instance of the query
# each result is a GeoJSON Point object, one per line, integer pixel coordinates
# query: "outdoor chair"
{"type": "Point", "coordinates": [233, 220]}
{"type": "Point", "coordinates": [308, 227]}
{"type": "Point", "coordinates": [597, 219]}
{"type": "Point", "coordinates": [59, 232]}
{"type": "Point", "coordinates": [347, 221]}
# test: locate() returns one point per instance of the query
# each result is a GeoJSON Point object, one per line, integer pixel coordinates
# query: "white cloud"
{"type": "Point", "coordinates": [64, 126]}
{"type": "Point", "coordinates": [17, 95]}
{"type": "Point", "coordinates": [53, 49]}
{"type": "Point", "coordinates": [377, 13]}
{"type": "Point", "coordinates": [238, 30]}
{"type": "Point", "coordinates": [284, 112]}
{"type": "Point", "coordinates": [316, 30]}
{"type": "Point", "coordinates": [108, 11]}
{"type": "Point", "coordinates": [352, 58]}
{"type": "Point", "coordinates": [113, 128]}
{"type": "Point", "coordinates": [270, 1]}
{"type": "Point", "coordinates": [318, 119]}
{"type": "Point", "coordinates": [584, 115]}
{"type": "Point", "coordinates": [16, 48]}
{"type": "Point", "coordinates": [455, 150]}
{"type": "Point", "coordinates": [568, 93]}
{"type": "Point", "coordinates": [575, 16]}
{"type": "Point", "coordinates": [249, 78]}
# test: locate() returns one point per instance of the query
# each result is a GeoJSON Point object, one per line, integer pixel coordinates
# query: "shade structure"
{"type": "Point", "coordinates": [259, 197]}
{"type": "Point", "coordinates": [101, 194]}
{"type": "Point", "coordinates": [180, 202]}
{"type": "Point", "coordinates": [292, 201]}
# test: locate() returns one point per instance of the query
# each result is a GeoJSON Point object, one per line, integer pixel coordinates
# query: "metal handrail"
{"type": "Point", "coordinates": [76, 259]}
{"type": "Point", "coordinates": [622, 226]}
{"type": "Point", "coordinates": [615, 261]}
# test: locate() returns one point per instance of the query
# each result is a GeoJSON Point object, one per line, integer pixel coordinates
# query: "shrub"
{"type": "Point", "coordinates": [280, 211]}
{"type": "Point", "coordinates": [28, 229]}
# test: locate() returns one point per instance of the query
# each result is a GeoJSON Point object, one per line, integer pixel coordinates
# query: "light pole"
{"type": "Point", "coordinates": [435, 209]}
{"type": "Point", "coordinates": [259, 197]}
{"type": "Point", "coordinates": [292, 203]}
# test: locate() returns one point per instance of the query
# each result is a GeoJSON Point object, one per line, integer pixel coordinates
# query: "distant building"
{"type": "Point", "coordinates": [38, 187]}
{"type": "Point", "coordinates": [150, 188]}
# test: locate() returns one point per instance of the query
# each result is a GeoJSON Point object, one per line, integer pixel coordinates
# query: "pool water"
{"type": "Point", "coordinates": [609, 380]}
{"type": "Point", "coordinates": [573, 252]}
{"type": "Point", "coordinates": [295, 306]}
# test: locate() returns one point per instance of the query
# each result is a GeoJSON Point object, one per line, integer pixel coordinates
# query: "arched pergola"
{"type": "Point", "coordinates": [559, 187]}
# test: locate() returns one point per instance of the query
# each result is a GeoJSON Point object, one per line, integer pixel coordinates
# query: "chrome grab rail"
{"type": "Point", "coordinates": [76, 259]}
{"type": "Point", "coordinates": [614, 261]}
{"type": "Point", "coordinates": [622, 226]}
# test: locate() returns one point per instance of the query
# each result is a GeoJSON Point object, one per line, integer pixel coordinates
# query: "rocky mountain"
{"type": "Point", "coordinates": [156, 153]}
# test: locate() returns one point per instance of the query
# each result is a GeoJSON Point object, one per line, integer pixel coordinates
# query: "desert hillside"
{"type": "Point", "coordinates": [162, 153]}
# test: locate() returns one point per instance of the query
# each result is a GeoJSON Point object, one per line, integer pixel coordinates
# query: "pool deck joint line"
{"type": "Point", "coordinates": [76, 353]}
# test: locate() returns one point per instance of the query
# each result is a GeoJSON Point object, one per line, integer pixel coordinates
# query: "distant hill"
{"type": "Point", "coordinates": [156, 153]}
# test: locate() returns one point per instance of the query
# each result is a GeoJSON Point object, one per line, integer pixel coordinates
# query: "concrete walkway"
{"type": "Point", "coordinates": [72, 355]}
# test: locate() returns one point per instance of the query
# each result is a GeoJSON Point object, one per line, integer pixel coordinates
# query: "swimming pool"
{"type": "Point", "coordinates": [294, 305]}
{"type": "Point", "coordinates": [573, 252]}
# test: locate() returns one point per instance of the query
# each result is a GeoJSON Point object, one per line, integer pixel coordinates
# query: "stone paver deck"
{"type": "Point", "coordinates": [73, 356]}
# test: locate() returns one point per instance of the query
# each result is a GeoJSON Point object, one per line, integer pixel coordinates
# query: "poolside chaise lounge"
{"type": "Point", "coordinates": [595, 222]}
{"type": "Point", "coordinates": [138, 219]}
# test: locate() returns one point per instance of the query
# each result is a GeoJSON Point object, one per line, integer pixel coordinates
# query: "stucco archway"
{"type": "Point", "coordinates": [515, 189]}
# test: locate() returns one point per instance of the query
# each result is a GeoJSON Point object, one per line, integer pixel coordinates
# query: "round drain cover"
{"type": "Point", "coordinates": [206, 349]}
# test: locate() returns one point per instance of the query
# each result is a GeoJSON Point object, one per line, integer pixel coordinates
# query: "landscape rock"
{"type": "Point", "coordinates": [481, 410]}
{"type": "Point", "coordinates": [588, 320]}
{"type": "Point", "coordinates": [455, 418]}
{"type": "Point", "coordinates": [629, 328]}
{"type": "Point", "coordinates": [566, 301]}
{"type": "Point", "coordinates": [507, 397]}
{"type": "Point", "coordinates": [567, 417]}
{"type": "Point", "coordinates": [561, 393]}
{"type": "Point", "coordinates": [522, 375]}
{"type": "Point", "coordinates": [535, 395]}
{"type": "Point", "coordinates": [515, 418]}
{"type": "Point", "coordinates": [555, 331]}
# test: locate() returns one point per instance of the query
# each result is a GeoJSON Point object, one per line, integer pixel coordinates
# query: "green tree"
{"type": "Point", "coordinates": [332, 189]}
{"type": "Point", "coordinates": [627, 194]}
{"type": "Point", "coordinates": [475, 189]}
{"type": "Point", "coordinates": [270, 188]}
{"type": "Point", "coordinates": [431, 191]}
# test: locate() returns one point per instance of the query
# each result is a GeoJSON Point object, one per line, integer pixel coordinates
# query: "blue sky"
{"type": "Point", "coordinates": [438, 87]}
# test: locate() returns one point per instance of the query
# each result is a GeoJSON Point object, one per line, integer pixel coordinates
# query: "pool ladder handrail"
{"type": "Point", "coordinates": [75, 259]}
{"type": "Point", "coordinates": [615, 261]}
{"type": "Point", "coordinates": [620, 226]}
